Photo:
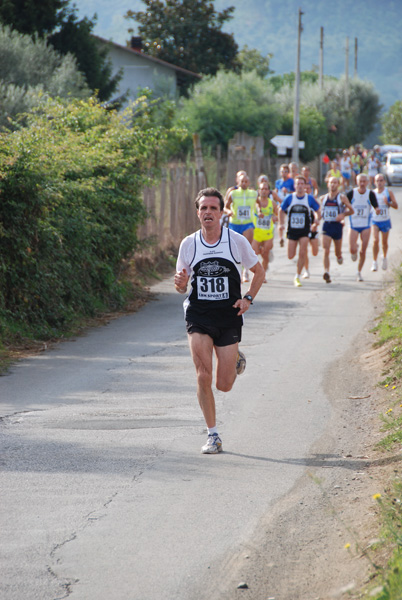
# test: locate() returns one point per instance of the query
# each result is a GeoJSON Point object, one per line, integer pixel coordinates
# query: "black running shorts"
{"type": "Point", "coordinates": [222, 336]}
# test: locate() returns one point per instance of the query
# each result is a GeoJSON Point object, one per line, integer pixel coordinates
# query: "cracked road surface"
{"type": "Point", "coordinates": [104, 491]}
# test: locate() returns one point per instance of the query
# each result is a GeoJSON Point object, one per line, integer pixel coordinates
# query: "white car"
{"type": "Point", "coordinates": [390, 148]}
{"type": "Point", "coordinates": [392, 168]}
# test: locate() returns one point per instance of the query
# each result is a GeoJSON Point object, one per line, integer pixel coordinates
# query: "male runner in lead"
{"type": "Point", "coordinates": [211, 259]}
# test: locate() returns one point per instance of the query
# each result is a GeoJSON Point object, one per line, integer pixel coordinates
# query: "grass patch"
{"type": "Point", "coordinates": [390, 585]}
{"type": "Point", "coordinates": [389, 330]}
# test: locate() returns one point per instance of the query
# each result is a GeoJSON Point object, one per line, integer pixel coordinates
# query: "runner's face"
{"type": "Point", "coordinates": [300, 185]}
{"type": "Point", "coordinates": [284, 173]}
{"type": "Point", "coordinates": [264, 190]}
{"type": "Point", "coordinates": [362, 184]}
{"type": "Point", "coordinates": [243, 182]}
{"type": "Point", "coordinates": [333, 185]}
{"type": "Point", "coordinates": [239, 174]}
{"type": "Point", "coordinates": [209, 211]}
{"type": "Point", "coordinates": [380, 181]}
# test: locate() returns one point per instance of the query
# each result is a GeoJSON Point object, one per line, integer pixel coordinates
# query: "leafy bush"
{"type": "Point", "coordinates": [70, 188]}
{"type": "Point", "coordinates": [392, 124]}
{"type": "Point", "coordinates": [29, 69]}
{"type": "Point", "coordinates": [313, 131]}
{"type": "Point", "coordinates": [220, 106]}
{"type": "Point", "coordinates": [345, 127]}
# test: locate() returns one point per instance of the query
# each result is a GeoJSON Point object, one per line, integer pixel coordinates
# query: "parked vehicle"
{"type": "Point", "coordinates": [390, 148]}
{"type": "Point", "coordinates": [392, 168]}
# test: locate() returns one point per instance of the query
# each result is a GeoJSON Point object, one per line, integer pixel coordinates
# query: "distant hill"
{"type": "Point", "coordinates": [271, 26]}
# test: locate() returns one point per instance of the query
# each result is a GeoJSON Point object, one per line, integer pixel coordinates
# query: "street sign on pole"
{"type": "Point", "coordinates": [283, 142]}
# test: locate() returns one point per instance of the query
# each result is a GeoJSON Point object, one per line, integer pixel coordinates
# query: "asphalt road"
{"type": "Point", "coordinates": [104, 491]}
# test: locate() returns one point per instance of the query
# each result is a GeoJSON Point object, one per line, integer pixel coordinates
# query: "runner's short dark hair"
{"type": "Point", "coordinates": [209, 193]}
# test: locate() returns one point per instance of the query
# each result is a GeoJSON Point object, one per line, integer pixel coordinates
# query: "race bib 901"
{"type": "Point", "coordinates": [212, 288]}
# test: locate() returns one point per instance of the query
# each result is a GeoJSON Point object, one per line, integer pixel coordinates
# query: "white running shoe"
{"type": "Point", "coordinates": [340, 260]}
{"type": "Point", "coordinates": [384, 263]}
{"type": "Point", "coordinates": [306, 274]}
{"type": "Point", "coordinates": [296, 281]}
{"type": "Point", "coordinates": [374, 266]}
{"type": "Point", "coordinates": [354, 257]}
{"type": "Point", "coordinates": [213, 445]}
{"type": "Point", "coordinates": [241, 363]}
{"type": "Point", "coordinates": [359, 276]}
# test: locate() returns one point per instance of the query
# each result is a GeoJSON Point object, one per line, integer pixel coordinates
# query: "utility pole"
{"type": "Point", "coordinates": [296, 120]}
{"type": "Point", "coordinates": [355, 73]}
{"type": "Point", "coordinates": [321, 73]}
{"type": "Point", "coordinates": [347, 75]}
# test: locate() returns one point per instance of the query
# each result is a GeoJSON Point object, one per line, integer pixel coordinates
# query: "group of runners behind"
{"type": "Point", "coordinates": [294, 205]}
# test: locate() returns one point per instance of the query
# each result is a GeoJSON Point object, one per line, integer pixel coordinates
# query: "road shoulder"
{"type": "Point", "coordinates": [316, 542]}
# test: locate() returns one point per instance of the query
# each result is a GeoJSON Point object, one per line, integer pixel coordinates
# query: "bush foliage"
{"type": "Point", "coordinates": [29, 69]}
{"type": "Point", "coordinates": [229, 102]}
{"type": "Point", "coordinates": [70, 186]}
{"type": "Point", "coordinates": [220, 106]}
{"type": "Point", "coordinates": [392, 124]}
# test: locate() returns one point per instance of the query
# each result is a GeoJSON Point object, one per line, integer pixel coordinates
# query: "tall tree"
{"type": "Point", "coordinates": [252, 60]}
{"type": "Point", "coordinates": [92, 58]}
{"type": "Point", "coordinates": [57, 21]}
{"type": "Point", "coordinates": [31, 16]}
{"type": "Point", "coordinates": [187, 33]}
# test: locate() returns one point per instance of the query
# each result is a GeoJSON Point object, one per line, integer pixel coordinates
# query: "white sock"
{"type": "Point", "coordinates": [212, 430]}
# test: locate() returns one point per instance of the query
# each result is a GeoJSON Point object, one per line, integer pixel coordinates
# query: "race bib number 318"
{"type": "Point", "coordinates": [212, 288]}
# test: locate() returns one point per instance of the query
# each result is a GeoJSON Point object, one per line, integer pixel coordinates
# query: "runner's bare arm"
{"type": "Point", "coordinates": [256, 283]}
{"type": "Point", "coordinates": [349, 208]}
{"type": "Point", "coordinates": [393, 203]}
{"type": "Point", "coordinates": [180, 281]}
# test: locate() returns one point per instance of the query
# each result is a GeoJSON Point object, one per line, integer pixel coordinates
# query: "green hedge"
{"type": "Point", "coordinates": [70, 206]}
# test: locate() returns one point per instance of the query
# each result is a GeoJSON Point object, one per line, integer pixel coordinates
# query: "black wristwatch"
{"type": "Point", "coordinates": [249, 298]}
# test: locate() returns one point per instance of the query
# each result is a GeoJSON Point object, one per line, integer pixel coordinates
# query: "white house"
{"type": "Point", "coordinates": [141, 70]}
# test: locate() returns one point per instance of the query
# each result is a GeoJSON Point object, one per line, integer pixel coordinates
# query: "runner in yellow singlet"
{"type": "Point", "coordinates": [334, 172]}
{"type": "Point", "coordinates": [264, 225]}
{"type": "Point", "coordinates": [240, 206]}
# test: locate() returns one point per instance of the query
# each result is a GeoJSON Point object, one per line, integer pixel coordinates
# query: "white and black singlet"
{"type": "Point", "coordinates": [361, 219]}
{"type": "Point", "coordinates": [215, 277]}
{"type": "Point", "coordinates": [298, 211]}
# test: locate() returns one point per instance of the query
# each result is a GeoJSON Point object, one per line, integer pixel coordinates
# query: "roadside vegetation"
{"type": "Point", "coordinates": [388, 583]}
{"type": "Point", "coordinates": [228, 102]}
{"type": "Point", "coordinates": [71, 185]}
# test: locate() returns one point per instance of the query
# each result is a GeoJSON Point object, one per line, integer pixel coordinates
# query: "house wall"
{"type": "Point", "coordinates": [140, 72]}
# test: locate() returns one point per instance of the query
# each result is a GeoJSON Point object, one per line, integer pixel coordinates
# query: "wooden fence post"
{"type": "Point", "coordinates": [199, 163]}
{"type": "Point", "coordinates": [218, 165]}
{"type": "Point", "coordinates": [172, 192]}
{"type": "Point", "coordinates": [162, 209]}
